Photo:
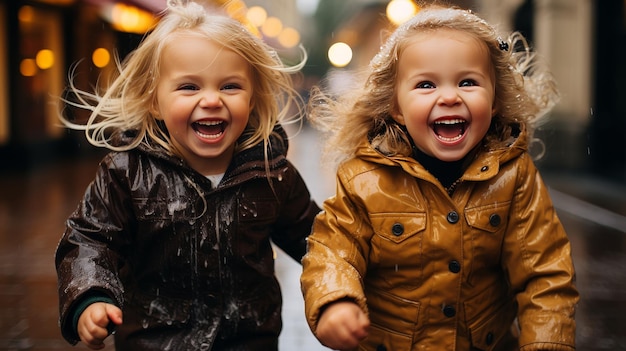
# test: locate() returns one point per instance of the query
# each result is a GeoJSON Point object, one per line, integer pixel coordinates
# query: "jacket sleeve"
{"type": "Point", "coordinates": [297, 214]}
{"type": "Point", "coordinates": [87, 257]}
{"type": "Point", "coordinates": [335, 263]}
{"type": "Point", "coordinates": [538, 260]}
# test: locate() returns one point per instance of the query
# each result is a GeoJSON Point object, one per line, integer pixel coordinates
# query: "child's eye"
{"type": "Point", "coordinates": [187, 87]}
{"type": "Point", "coordinates": [231, 86]}
{"type": "Point", "coordinates": [468, 83]}
{"type": "Point", "coordinates": [425, 85]}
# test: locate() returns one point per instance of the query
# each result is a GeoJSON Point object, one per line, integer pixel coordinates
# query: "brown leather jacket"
{"type": "Point", "coordinates": [190, 264]}
{"type": "Point", "coordinates": [440, 273]}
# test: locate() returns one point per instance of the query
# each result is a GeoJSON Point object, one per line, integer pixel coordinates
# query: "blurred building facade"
{"type": "Point", "coordinates": [583, 40]}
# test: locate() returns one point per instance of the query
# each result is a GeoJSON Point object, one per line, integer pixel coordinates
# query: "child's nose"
{"type": "Point", "coordinates": [449, 96]}
{"type": "Point", "coordinates": [211, 99]}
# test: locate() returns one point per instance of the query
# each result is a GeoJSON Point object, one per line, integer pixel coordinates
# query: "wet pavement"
{"type": "Point", "coordinates": [34, 205]}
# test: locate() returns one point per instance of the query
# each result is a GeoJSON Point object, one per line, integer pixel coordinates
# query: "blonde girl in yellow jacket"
{"type": "Point", "coordinates": [441, 235]}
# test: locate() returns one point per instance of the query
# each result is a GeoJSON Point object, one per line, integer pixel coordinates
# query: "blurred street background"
{"type": "Point", "coordinates": [44, 169]}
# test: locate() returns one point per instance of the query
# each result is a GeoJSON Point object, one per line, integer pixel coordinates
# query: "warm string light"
{"type": "Point", "coordinates": [397, 11]}
{"type": "Point", "coordinates": [128, 18]}
{"type": "Point", "coordinates": [131, 19]}
{"type": "Point", "coordinates": [44, 58]}
{"type": "Point", "coordinates": [340, 54]}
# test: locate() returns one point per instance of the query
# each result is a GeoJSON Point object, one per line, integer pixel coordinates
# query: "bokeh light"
{"type": "Point", "coordinates": [289, 37]}
{"type": "Point", "coordinates": [272, 27]}
{"type": "Point", "coordinates": [256, 15]}
{"type": "Point", "coordinates": [28, 67]}
{"type": "Point", "coordinates": [340, 54]}
{"type": "Point", "coordinates": [101, 57]}
{"type": "Point", "coordinates": [399, 11]}
{"type": "Point", "coordinates": [26, 14]}
{"type": "Point", "coordinates": [130, 19]}
{"type": "Point", "coordinates": [44, 59]}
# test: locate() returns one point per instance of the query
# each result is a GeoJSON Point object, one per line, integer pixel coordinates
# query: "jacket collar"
{"type": "Point", "coordinates": [485, 165]}
{"type": "Point", "coordinates": [246, 164]}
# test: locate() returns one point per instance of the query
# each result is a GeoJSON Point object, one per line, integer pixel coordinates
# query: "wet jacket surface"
{"type": "Point", "coordinates": [191, 265]}
{"type": "Point", "coordinates": [440, 272]}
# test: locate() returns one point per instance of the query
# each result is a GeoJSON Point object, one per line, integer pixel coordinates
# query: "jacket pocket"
{"type": "Point", "coordinates": [395, 256]}
{"type": "Point", "coordinates": [384, 339]}
{"type": "Point", "coordinates": [393, 321]}
{"type": "Point", "coordinates": [487, 226]}
{"type": "Point", "coordinates": [492, 329]}
{"type": "Point", "coordinates": [398, 227]}
{"type": "Point", "coordinates": [492, 218]}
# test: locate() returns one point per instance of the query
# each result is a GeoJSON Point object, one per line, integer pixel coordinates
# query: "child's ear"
{"type": "Point", "coordinates": [494, 108]}
{"type": "Point", "coordinates": [154, 111]}
{"type": "Point", "coordinates": [397, 115]}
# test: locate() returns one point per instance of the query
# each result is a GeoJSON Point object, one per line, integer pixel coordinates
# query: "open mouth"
{"type": "Point", "coordinates": [209, 129]}
{"type": "Point", "coordinates": [449, 130]}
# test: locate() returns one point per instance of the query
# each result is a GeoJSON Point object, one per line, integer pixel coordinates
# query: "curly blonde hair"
{"type": "Point", "coordinates": [128, 102]}
{"type": "Point", "coordinates": [524, 89]}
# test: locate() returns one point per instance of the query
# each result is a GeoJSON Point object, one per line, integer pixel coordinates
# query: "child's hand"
{"type": "Point", "coordinates": [342, 326]}
{"type": "Point", "coordinates": [93, 323]}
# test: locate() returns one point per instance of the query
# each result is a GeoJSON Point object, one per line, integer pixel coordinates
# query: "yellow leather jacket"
{"type": "Point", "coordinates": [440, 272]}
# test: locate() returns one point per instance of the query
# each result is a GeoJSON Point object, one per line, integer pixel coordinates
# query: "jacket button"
{"type": "Point", "coordinates": [381, 348]}
{"type": "Point", "coordinates": [453, 217]}
{"type": "Point", "coordinates": [449, 311]}
{"type": "Point", "coordinates": [489, 338]}
{"type": "Point", "coordinates": [454, 266]}
{"type": "Point", "coordinates": [397, 229]}
{"type": "Point", "coordinates": [495, 220]}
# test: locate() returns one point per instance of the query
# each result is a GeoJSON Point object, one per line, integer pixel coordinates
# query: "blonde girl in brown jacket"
{"type": "Point", "coordinates": [441, 234]}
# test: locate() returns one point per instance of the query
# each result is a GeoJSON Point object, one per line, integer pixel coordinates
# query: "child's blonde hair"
{"type": "Point", "coordinates": [525, 90]}
{"type": "Point", "coordinates": [129, 101]}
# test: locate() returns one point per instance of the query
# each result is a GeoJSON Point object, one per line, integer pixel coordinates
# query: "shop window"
{"type": "Point", "coordinates": [41, 74]}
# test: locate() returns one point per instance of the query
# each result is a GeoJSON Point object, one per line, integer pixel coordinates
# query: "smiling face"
{"type": "Point", "coordinates": [445, 92]}
{"type": "Point", "coordinates": [204, 96]}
